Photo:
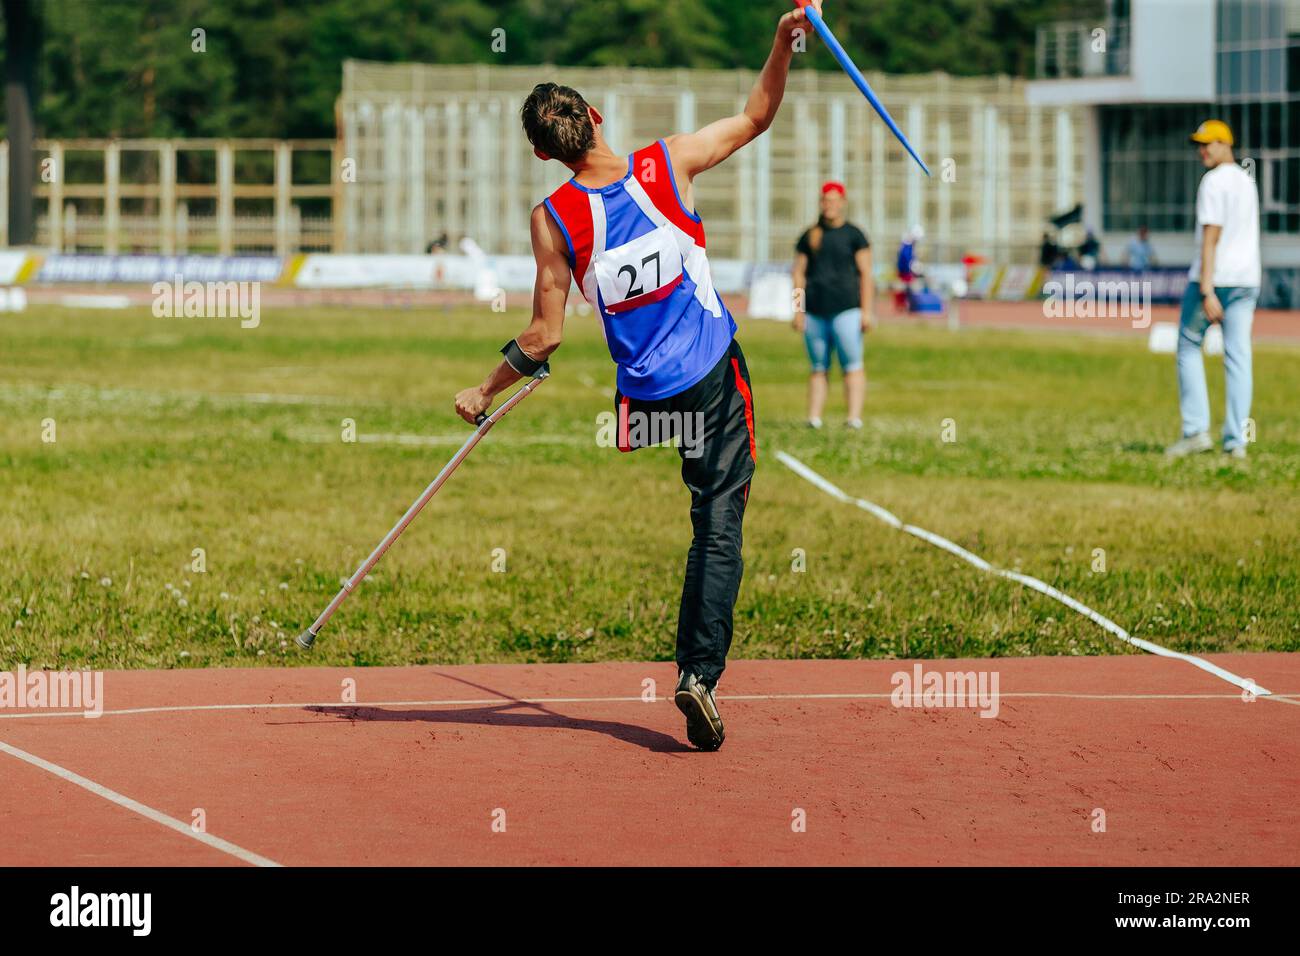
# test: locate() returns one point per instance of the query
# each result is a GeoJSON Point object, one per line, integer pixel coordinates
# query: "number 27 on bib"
{"type": "Point", "coordinates": [639, 272]}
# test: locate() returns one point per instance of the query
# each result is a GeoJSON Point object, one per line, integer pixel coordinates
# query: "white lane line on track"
{"type": "Point", "coordinates": [485, 701]}
{"type": "Point", "coordinates": [135, 806]}
{"type": "Point", "coordinates": [1105, 623]}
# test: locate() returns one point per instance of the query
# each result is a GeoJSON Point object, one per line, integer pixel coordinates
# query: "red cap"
{"type": "Point", "coordinates": [832, 187]}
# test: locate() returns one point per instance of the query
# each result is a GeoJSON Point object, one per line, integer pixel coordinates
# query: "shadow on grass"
{"type": "Point", "coordinates": [1142, 448]}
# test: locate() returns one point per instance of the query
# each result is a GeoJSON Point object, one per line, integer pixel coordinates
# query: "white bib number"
{"type": "Point", "coordinates": [639, 272]}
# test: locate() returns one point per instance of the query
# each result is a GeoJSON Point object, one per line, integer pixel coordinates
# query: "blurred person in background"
{"type": "Point", "coordinates": [1224, 287]}
{"type": "Point", "coordinates": [1090, 251]}
{"type": "Point", "coordinates": [833, 295]}
{"type": "Point", "coordinates": [908, 265]}
{"type": "Point", "coordinates": [1141, 256]}
{"type": "Point", "coordinates": [1047, 252]}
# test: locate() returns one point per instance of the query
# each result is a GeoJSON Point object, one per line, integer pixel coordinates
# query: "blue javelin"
{"type": "Point", "coordinates": [856, 76]}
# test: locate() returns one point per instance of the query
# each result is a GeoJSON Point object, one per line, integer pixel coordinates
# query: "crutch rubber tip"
{"type": "Point", "coordinates": [305, 640]}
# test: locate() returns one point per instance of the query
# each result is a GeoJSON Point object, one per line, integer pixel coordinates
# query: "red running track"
{"type": "Point", "coordinates": [1186, 771]}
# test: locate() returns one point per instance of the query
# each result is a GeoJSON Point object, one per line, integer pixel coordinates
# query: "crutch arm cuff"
{"type": "Point", "coordinates": [521, 362]}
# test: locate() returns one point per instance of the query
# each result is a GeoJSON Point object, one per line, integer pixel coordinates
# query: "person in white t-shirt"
{"type": "Point", "coordinates": [1225, 278]}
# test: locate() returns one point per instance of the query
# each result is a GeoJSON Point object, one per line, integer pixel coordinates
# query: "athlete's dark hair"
{"type": "Point", "coordinates": [557, 123]}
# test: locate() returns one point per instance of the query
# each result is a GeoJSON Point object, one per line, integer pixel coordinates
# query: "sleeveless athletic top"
{"type": "Point", "coordinates": [638, 256]}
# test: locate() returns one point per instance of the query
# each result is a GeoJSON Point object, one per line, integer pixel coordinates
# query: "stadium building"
{"type": "Point", "coordinates": [439, 148]}
{"type": "Point", "coordinates": [1145, 77]}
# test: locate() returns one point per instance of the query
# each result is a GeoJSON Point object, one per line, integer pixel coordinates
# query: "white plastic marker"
{"type": "Point", "coordinates": [1105, 623]}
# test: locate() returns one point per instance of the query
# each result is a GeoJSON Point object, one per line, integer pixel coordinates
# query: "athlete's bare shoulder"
{"type": "Point", "coordinates": [679, 149]}
{"type": "Point", "coordinates": [677, 144]}
{"type": "Point", "coordinates": [543, 225]}
{"type": "Point", "coordinates": [549, 245]}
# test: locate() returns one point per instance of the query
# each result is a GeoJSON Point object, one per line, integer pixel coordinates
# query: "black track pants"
{"type": "Point", "coordinates": [715, 420]}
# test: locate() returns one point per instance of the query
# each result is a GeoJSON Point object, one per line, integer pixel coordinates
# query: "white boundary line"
{"type": "Point", "coordinates": [136, 806]}
{"type": "Point", "coordinates": [1105, 623]}
{"type": "Point", "coordinates": [78, 390]}
{"type": "Point", "coordinates": [484, 701]}
{"type": "Point", "coordinates": [429, 441]}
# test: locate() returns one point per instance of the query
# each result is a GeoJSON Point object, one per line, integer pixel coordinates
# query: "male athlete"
{"type": "Point", "coordinates": [624, 227]}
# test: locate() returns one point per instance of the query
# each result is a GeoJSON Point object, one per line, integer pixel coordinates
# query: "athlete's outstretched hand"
{"type": "Point", "coordinates": [796, 19]}
{"type": "Point", "coordinates": [693, 153]}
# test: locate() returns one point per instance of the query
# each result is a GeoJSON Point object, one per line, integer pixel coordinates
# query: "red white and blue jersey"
{"type": "Point", "coordinates": [637, 254]}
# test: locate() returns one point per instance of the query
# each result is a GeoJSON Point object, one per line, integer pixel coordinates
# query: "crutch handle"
{"type": "Point", "coordinates": [541, 373]}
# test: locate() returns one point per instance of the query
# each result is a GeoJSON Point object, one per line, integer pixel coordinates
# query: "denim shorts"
{"type": "Point", "coordinates": [843, 332]}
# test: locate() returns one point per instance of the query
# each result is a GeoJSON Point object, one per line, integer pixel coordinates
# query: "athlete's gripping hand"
{"type": "Point", "coordinates": [471, 403]}
{"type": "Point", "coordinates": [796, 19]}
{"type": "Point", "coordinates": [693, 153]}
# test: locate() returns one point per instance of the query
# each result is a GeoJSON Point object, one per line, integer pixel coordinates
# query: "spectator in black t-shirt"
{"type": "Point", "coordinates": [1090, 251]}
{"type": "Point", "coordinates": [833, 293]}
{"type": "Point", "coordinates": [1048, 254]}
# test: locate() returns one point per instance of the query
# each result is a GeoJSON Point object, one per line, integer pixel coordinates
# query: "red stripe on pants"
{"type": "Point", "coordinates": [743, 387]}
{"type": "Point", "coordinates": [623, 442]}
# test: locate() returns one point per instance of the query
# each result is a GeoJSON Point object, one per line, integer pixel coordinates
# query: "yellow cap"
{"type": "Point", "coordinates": [1212, 131]}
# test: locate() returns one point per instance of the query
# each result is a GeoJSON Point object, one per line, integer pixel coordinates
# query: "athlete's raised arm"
{"type": "Point", "coordinates": [693, 153]}
{"type": "Point", "coordinates": [542, 337]}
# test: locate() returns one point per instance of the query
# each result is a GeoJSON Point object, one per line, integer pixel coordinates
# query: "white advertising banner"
{"type": "Point", "coordinates": [11, 265]}
{"type": "Point", "coordinates": [468, 273]}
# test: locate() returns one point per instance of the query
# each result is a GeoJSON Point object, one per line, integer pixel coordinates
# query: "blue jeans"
{"type": "Point", "coordinates": [843, 332]}
{"type": "Point", "coordinates": [1193, 399]}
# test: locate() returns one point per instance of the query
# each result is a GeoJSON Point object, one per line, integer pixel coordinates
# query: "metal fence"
{"type": "Point", "coordinates": [184, 196]}
{"type": "Point", "coordinates": [1075, 49]}
{"type": "Point", "coordinates": [438, 150]}
{"type": "Point", "coordinates": [426, 151]}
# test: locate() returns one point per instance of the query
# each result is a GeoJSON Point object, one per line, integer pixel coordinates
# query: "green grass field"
{"type": "Point", "coordinates": [177, 434]}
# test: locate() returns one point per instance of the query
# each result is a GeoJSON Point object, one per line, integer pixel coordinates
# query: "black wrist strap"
{"type": "Point", "coordinates": [518, 360]}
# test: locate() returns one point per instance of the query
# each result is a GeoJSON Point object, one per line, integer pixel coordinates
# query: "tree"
{"type": "Point", "coordinates": [274, 67]}
{"type": "Point", "coordinates": [22, 41]}
{"type": "Point", "coordinates": [662, 33]}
